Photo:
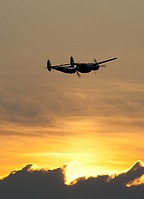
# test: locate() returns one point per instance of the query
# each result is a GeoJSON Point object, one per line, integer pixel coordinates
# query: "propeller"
{"type": "Point", "coordinates": [78, 74]}
{"type": "Point", "coordinates": [95, 60]}
{"type": "Point", "coordinates": [104, 65]}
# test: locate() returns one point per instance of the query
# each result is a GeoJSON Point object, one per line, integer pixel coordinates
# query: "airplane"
{"type": "Point", "coordinates": [74, 67]}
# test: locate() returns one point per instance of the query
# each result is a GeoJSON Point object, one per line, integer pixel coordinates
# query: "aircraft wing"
{"type": "Point", "coordinates": [96, 63]}
{"type": "Point", "coordinates": [102, 62]}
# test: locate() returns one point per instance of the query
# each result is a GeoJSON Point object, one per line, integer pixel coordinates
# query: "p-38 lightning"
{"type": "Point", "coordinates": [75, 67]}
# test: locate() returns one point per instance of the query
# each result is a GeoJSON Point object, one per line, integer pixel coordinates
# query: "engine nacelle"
{"type": "Point", "coordinates": [72, 62]}
{"type": "Point", "coordinates": [49, 65]}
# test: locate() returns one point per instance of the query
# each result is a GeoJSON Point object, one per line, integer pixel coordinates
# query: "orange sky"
{"type": "Point", "coordinates": [50, 119]}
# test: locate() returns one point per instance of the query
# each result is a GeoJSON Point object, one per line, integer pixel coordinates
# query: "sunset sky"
{"type": "Point", "coordinates": [94, 123]}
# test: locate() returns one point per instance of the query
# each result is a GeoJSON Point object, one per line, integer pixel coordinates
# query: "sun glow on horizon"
{"type": "Point", "coordinates": [75, 170]}
{"type": "Point", "coordinates": [88, 144]}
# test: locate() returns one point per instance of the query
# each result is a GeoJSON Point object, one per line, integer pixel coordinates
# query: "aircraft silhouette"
{"type": "Point", "coordinates": [74, 67]}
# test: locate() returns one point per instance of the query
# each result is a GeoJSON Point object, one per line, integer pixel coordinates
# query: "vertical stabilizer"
{"type": "Point", "coordinates": [49, 65]}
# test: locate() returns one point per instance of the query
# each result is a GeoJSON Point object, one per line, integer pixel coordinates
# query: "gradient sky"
{"type": "Point", "coordinates": [50, 119]}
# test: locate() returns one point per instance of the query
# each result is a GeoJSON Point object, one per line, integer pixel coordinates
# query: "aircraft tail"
{"type": "Point", "coordinates": [49, 65]}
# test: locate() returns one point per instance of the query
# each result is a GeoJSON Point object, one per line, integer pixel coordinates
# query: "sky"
{"type": "Point", "coordinates": [95, 123]}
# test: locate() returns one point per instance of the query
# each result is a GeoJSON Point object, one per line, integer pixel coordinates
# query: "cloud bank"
{"type": "Point", "coordinates": [28, 183]}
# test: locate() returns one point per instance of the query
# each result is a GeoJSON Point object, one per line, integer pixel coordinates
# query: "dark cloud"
{"type": "Point", "coordinates": [28, 183]}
